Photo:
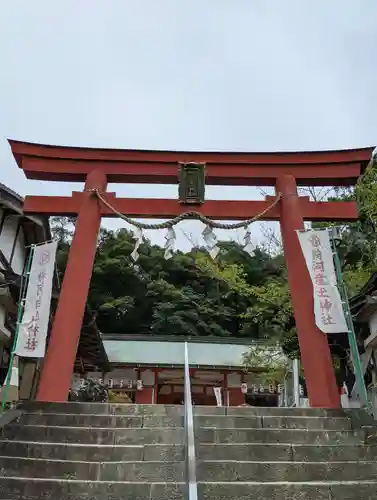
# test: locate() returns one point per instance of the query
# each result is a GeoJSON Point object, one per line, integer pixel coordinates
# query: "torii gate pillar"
{"type": "Point", "coordinates": [65, 334]}
{"type": "Point", "coordinates": [314, 346]}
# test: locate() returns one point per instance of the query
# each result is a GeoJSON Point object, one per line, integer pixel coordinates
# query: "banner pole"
{"type": "Point", "coordinates": [20, 310]}
{"type": "Point", "coordinates": [355, 355]}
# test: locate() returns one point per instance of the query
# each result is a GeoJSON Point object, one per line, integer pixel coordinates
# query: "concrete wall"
{"type": "Point", "coordinates": [5, 334]}
{"type": "Point", "coordinates": [12, 242]}
{"type": "Point", "coordinates": [19, 254]}
{"type": "Point", "coordinates": [373, 323]}
{"type": "Point", "coordinates": [12, 245]}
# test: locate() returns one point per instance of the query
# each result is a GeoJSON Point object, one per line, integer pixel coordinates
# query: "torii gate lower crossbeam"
{"type": "Point", "coordinates": [101, 166]}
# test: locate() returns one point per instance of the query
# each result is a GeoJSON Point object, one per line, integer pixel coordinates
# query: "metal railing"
{"type": "Point", "coordinates": [190, 457]}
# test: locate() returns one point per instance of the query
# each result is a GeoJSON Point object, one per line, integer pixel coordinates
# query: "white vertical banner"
{"type": "Point", "coordinates": [328, 309]}
{"type": "Point", "coordinates": [32, 331]}
{"type": "Point", "coordinates": [217, 391]}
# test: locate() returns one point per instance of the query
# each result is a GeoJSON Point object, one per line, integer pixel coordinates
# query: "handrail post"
{"type": "Point", "coordinates": [296, 381]}
{"type": "Point", "coordinates": [189, 434]}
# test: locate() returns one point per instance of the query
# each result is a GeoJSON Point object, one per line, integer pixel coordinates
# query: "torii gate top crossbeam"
{"type": "Point", "coordinates": [321, 168]}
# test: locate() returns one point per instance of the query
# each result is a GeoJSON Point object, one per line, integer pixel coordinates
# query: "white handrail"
{"type": "Point", "coordinates": [296, 381]}
{"type": "Point", "coordinates": [189, 434]}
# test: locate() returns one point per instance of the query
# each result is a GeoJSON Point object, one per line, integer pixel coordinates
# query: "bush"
{"type": "Point", "coordinates": [91, 391]}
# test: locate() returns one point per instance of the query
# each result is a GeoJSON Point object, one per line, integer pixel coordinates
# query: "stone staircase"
{"type": "Point", "coordinates": [76, 451]}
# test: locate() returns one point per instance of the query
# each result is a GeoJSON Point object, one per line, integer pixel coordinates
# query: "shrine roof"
{"type": "Point", "coordinates": [364, 304]}
{"type": "Point", "coordinates": [91, 353]}
{"type": "Point", "coordinates": [209, 339]}
{"type": "Point", "coordinates": [163, 352]}
{"type": "Point", "coordinates": [36, 227]}
{"type": "Point", "coordinates": [64, 163]}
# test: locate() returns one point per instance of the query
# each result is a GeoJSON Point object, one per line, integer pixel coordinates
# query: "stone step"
{"type": "Point", "coordinates": [291, 422]}
{"type": "Point", "coordinates": [104, 421]}
{"type": "Point", "coordinates": [92, 453]}
{"type": "Point", "coordinates": [253, 452]}
{"type": "Point", "coordinates": [97, 435]}
{"type": "Point", "coordinates": [285, 471]}
{"type": "Point", "coordinates": [288, 436]}
{"type": "Point", "coordinates": [92, 471]}
{"type": "Point", "coordinates": [47, 489]}
{"type": "Point", "coordinates": [282, 491]}
{"type": "Point", "coordinates": [285, 452]}
{"type": "Point", "coordinates": [104, 409]}
{"type": "Point", "coordinates": [219, 421]}
{"type": "Point", "coordinates": [283, 412]}
{"type": "Point", "coordinates": [334, 453]}
{"type": "Point", "coordinates": [159, 452]}
{"type": "Point", "coordinates": [158, 410]}
{"type": "Point", "coordinates": [17, 488]}
{"type": "Point", "coordinates": [310, 423]}
{"type": "Point", "coordinates": [93, 435]}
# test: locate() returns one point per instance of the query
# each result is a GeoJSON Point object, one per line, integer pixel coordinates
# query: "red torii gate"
{"type": "Point", "coordinates": [98, 167]}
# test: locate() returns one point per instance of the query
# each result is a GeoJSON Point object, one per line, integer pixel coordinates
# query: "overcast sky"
{"type": "Point", "coordinates": [251, 75]}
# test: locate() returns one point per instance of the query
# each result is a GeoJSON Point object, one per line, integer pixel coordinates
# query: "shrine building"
{"type": "Point", "coordinates": [150, 370]}
{"type": "Point", "coordinates": [18, 232]}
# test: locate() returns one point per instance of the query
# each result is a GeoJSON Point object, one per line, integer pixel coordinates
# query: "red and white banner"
{"type": "Point", "coordinates": [32, 332]}
{"type": "Point", "coordinates": [328, 309]}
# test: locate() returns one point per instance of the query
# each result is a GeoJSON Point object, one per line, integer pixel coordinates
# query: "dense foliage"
{"type": "Point", "coordinates": [180, 296]}
{"type": "Point", "coordinates": [190, 294]}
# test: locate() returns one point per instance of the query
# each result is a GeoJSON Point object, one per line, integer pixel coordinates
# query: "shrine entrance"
{"type": "Point", "coordinates": [171, 386]}
{"type": "Point", "coordinates": [192, 171]}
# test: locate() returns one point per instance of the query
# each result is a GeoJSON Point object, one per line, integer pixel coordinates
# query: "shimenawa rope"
{"type": "Point", "coordinates": [187, 215]}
